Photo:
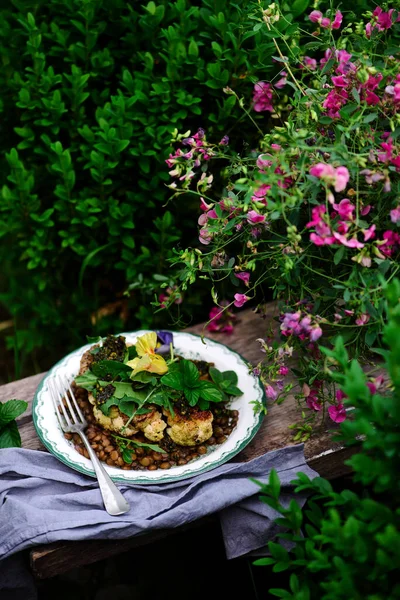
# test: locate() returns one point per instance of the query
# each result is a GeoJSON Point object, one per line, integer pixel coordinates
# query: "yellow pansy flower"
{"type": "Point", "coordinates": [147, 359]}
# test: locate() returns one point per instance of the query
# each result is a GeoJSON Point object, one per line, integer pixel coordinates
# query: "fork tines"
{"type": "Point", "coordinates": [60, 390]}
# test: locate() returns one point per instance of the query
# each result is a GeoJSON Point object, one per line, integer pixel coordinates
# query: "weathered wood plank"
{"type": "Point", "coordinates": [321, 453]}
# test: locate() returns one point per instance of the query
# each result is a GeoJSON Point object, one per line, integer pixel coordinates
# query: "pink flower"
{"type": "Point", "coordinates": [283, 371]}
{"type": "Point", "coordinates": [342, 179]}
{"type": "Point", "coordinates": [349, 243]}
{"type": "Point", "coordinates": [221, 319]}
{"type": "Point", "coordinates": [338, 177]}
{"type": "Point", "coordinates": [340, 395]}
{"type": "Point", "coordinates": [395, 215]}
{"type": "Point", "coordinates": [203, 205]}
{"type": "Point", "coordinates": [205, 236]}
{"type": "Point", "coordinates": [245, 277]}
{"type": "Point", "coordinates": [334, 102]}
{"type": "Point", "coordinates": [340, 81]}
{"type": "Point", "coordinates": [262, 97]}
{"type": "Point", "coordinates": [325, 23]}
{"type": "Point", "coordinates": [282, 82]}
{"type": "Point", "coordinates": [337, 413]}
{"type": "Point", "coordinates": [345, 209]}
{"type": "Point", "coordinates": [315, 16]}
{"type": "Point", "coordinates": [310, 63]}
{"type": "Point", "coordinates": [316, 333]}
{"type": "Point", "coordinates": [240, 299]}
{"type": "Point", "coordinates": [363, 319]}
{"type": "Point", "coordinates": [270, 392]}
{"type": "Point", "coordinates": [312, 402]}
{"type": "Point", "coordinates": [337, 20]}
{"type": "Point", "coordinates": [369, 233]}
{"type": "Point", "coordinates": [254, 217]}
{"type": "Point", "coordinates": [263, 160]}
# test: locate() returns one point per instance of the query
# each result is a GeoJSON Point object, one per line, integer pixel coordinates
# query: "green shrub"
{"type": "Point", "coordinates": [350, 547]}
{"type": "Point", "coordinates": [90, 93]}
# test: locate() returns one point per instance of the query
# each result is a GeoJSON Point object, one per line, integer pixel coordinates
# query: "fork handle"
{"type": "Point", "coordinates": [114, 502]}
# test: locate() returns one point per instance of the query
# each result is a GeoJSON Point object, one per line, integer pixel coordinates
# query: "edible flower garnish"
{"type": "Point", "coordinates": [164, 341]}
{"type": "Point", "coordinates": [147, 359]}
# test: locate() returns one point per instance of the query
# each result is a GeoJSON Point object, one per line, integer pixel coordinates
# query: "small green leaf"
{"type": "Point", "coordinates": [190, 373]}
{"type": "Point", "coordinates": [10, 410]}
{"type": "Point", "coordinates": [9, 436]}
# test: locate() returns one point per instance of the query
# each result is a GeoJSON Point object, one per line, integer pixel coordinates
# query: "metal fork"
{"type": "Point", "coordinates": [74, 422]}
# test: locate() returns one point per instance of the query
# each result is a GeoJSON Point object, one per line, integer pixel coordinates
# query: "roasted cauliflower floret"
{"type": "Point", "coordinates": [115, 421]}
{"type": "Point", "coordinates": [152, 426]}
{"type": "Point", "coordinates": [190, 429]}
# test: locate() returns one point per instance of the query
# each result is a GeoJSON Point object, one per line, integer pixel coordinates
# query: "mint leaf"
{"type": "Point", "coordinates": [128, 407]}
{"type": "Point", "coordinates": [10, 410]}
{"type": "Point", "coordinates": [209, 391]}
{"type": "Point", "coordinates": [233, 391]}
{"type": "Point", "coordinates": [203, 404]}
{"type": "Point", "coordinates": [192, 396]}
{"type": "Point", "coordinates": [230, 376]}
{"type": "Point", "coordinates": [110, 367]}
{"type": "Point", "coordinates": [173, 380]}
{"type": "Point", "coordinates": [87, 381]}
{"type": "Point", "coordinates": [94, 340]}
{"type": "Point", "coordinates": [144, 377]}
{"type": "Point", "coordinates": [216, 375]}
{"type": "Point", "coordinates": [9, 436]}
{"type": "Point", "coordinates": [190, 373]}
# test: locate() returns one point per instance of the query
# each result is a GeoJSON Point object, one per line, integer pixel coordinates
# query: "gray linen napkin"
{"type": "Point", "coordinates": [43, 501]}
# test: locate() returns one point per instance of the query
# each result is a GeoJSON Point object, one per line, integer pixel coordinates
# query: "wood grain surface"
{"type": "Point", "coordinates": [321, 453]}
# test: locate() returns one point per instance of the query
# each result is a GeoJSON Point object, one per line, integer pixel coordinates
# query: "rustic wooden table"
{"type": "Point", "coordinates": [323, 455]}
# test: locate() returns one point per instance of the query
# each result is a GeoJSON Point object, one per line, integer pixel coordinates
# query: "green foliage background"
{"type": "Point", "coordinates": [90, 92]}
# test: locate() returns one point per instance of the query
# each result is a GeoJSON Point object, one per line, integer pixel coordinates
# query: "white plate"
{"type": "Point", "coordinates": [189, 346]}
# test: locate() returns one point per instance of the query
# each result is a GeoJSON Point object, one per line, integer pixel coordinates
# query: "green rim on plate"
{"type": "Point", "coordinates": [207, 462]}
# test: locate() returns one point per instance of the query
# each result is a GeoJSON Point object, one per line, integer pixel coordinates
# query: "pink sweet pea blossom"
{"type": "Point", "coordinates": [282, 81]}
{"type": "Point", "coordinates": [363, 319]}
{"type": "Point", "coordinates": [369, 233]}
{"type": "Point", "coordinates": [316, 333]}
{"type": "Point", "coordinates": [310, 63]}
{"type": "Point", "coordinates": [337, 20]}
{"type": "Point", "coordinates": [245, 277]}
{"type": "Point", "coordinates": [203, 205]}
{"type": "Point", "coordinates": [345, 209]}
{"type": "Point", "coordinates": [240, 299]}
{"type": "Point", "coordinates": [283, 371]}
{"type": "Point", "coordinates": [395, 215]}
{"type": "Point", "coordinates": [270, 392]}
{"type": "Point", "coordinates": [350, 243]}
{"type": "Point", "coordinates": [337, 413]}
{"type": "Point", "coordinates": [262, 97]}
{"type": "Point", "coordinates": [312, 402]}
{"type": "Point", "coordinates": [254, 217]}
{"type": "Point", "coordinates": [338, 177]}
{"type": "Point", "coordinates": [315, 16]}
{"type": "Point", "coordinates": [263, 160]}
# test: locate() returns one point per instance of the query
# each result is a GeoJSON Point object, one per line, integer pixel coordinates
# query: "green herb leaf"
{"type": "Point", "coordinates": [10, 410]}
{"type": "Point", "coordinates": [114, 368]}
{"type": "Point", "coordinates": [216, 375]}
{"type": "Point", "coordinates": [190, 373]}
{"type": "Point", "coordinates": [173, 380]}
{"type": "Point", "coordinates": [86, 381]}
{"type": "Point", "coordinates": [192, 396]}
{"type": "Point", "coordinates": [9, 436]}
{"type": "Point", "coordinates": [94, 340]}
{"type": "Point", "coordinates": [209, 391]}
